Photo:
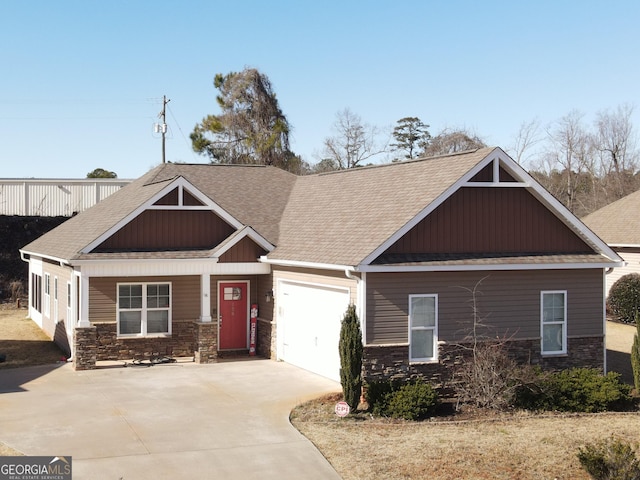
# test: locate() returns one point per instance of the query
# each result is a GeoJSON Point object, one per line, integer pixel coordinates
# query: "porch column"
{"type": "Point", "coordinates": [84, 302]}
{"type": "Point", "coordinates": [205, 288]}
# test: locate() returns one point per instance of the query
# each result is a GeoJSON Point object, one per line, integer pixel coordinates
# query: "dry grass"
{"type": "Point", "coordinates": [22, 342]}
{"type": "Point", "coordinates": [513, 446]}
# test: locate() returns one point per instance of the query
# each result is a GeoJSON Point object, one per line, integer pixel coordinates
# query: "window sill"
{"type": "Point", "coordinates": [424, 362]}
{"type": "Point", "coordinates": [553, 355]}
{"type": "Point", "coordinates": [153, 335]}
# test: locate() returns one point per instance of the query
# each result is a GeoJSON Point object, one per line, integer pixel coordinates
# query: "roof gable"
{"type": "Point", "coordinates": [498, 170]}
{"type": "Point", "coordinates": [177, 194]}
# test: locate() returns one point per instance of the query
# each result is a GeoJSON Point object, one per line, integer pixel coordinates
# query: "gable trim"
{"type": "Point", "coordinates": [179, 182]}
{"type": "Point", "coordinates": [500, 158]}
{"type": "Point", "coordinates": [239, 235]}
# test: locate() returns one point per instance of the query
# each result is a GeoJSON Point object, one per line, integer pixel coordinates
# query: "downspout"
{"type": "Point", "coordinates": [604, 314]}
{"type": "Point", "coordinates": [360, 308]}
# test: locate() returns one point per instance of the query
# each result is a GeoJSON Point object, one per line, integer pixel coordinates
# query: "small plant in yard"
{"type": "Point", "coordinates": [487, 377]}
{"type": "Point", "coordinates": [350, 347]}
{"type": "Point", "coordinates": [612, 459]}
{"type": "Point", "coordinates": [490, 379]}
{"type": "Point", "coordinates": [577, 390]}
{"type": "Point", "coordinates": [623, 301]}
{"type": "Point", "coordinates": [415, 400]}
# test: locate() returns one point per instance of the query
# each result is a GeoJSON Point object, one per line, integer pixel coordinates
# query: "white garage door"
{"type": "Point", "coordinates": [309, 318]}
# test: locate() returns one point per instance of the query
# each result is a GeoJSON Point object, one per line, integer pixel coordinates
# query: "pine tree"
{"type": "Point", "coordinates": [350, 347]}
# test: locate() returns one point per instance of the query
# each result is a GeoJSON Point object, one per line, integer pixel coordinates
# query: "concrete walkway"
{"type": "Point", "coordinates": [619, 343]}
{"type": "Point", "coordinates": [174, 421]}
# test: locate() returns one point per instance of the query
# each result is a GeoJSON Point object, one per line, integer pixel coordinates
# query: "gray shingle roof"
{"type": "Point", "coordinates": [342, 217]}
{"type": "Point", "coordinates": [334, 218]}
{"type": "Point", "coordinates": [617, 223]}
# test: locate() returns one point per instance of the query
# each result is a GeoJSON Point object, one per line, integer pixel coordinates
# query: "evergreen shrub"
{"type": "Point", "coordinates": [612, 459]}
{"type": "Point", "coordinates": [623, 301]}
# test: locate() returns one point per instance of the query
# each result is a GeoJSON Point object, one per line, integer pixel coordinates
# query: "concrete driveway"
{"type": "Point", "coordinates": [174, 421]}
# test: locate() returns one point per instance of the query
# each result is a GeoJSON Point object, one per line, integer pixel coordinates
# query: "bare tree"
{"type": "Point", "coordinates": [452, 141]}
{"type": "Point", "coordinates": [569, 153]}
{"type": "Point", "coordinates": [353, 142]}
{"type": "Point", "coordinates": [615, 143]}
{"type": "Point", "coordinates": [527, 137]}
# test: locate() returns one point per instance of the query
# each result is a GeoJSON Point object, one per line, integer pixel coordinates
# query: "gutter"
{"type": "Point", "coordinates": [303, 264]}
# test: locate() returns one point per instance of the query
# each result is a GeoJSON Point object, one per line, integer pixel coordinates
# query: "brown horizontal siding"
{"type": "Point", "coordinates": [246, 250]}
{"type": "Point", "coordinates": [491, 219]}
{"type": "Point", "coordinates": [185, 296]}
{"type": "Point", "coordinates": [169, 229]}
{"type": "Point", "coordinates": [507, 302]}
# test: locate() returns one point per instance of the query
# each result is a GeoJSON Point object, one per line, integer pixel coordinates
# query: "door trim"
{"type": "Point", "coordinates": [248, 306]}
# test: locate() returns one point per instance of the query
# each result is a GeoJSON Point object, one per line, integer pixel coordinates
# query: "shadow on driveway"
{"type": "Point", "coordinates": [13, 379]}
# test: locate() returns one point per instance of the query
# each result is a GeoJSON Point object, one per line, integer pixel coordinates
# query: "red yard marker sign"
{"type": "Point", "coordinates": [342, 409]}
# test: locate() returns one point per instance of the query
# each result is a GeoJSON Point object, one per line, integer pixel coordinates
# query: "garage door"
{"type": "Point", "coordinates": [309, 318]}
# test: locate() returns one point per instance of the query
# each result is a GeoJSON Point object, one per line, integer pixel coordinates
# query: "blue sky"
{"type": "Point", "coordinates": [82, 81]}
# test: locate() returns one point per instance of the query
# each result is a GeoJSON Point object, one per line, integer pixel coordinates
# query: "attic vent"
{"type": "Point", "coordinates": [173, 198]}
{"type": "Point", "coordinates": [190, 200]}
{"type": "Point", "coordinates": [486, 175]}
{"type": "Point", "coordinates": [170, 198]}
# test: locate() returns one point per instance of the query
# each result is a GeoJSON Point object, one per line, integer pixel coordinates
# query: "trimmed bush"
{"type": "Point", "coordinates": [577, 390]}
{"type": "Point", "coordinates": [350, 347]}
{"type": "Point", "coordinates": [623, 301]}
{"type": "Point", "coordinates": [635, 355]}
{"type": "Point", "coordinates": [611, 459]}
{"type": "Point", "coordinates": [409, 401]}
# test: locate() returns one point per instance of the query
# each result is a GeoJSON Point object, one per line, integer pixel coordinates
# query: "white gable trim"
{"type": "Point", "coordinates": [523, 180]}
{"type": "Point", "coordinates": [239, 235]}
{"type": "Point", "coordinates": [181, 183]}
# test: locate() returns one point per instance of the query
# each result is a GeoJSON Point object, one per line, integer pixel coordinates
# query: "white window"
{"type": "Point", "coordinates": [55, 300]}
{"type": "Point", "coordinates": [423, 328]}
{"type": "Point", "coordinates": [553, 322]}
{"type": "Point", "coordinates": [144, 309]}
{"type": "Point", "coordinates": [70, 321]}
{"type": "Point", "coordinates": [47, 294]}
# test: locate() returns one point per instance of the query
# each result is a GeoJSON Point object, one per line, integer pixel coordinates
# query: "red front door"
{"type": "Point", "coordinates": [233, 315]}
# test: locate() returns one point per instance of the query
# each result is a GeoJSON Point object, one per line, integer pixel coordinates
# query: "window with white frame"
{"type": "Point", "coordinates": [55, 299]}
{"type": "Point", "coordinates": [423, 328]}
{"type": "Point", "coordinates": [553, 321]}
{"type": "Point", "coordinates": [36, 292]}
{"type": "Point", "coordinates": [47, 294]}
{"type": "Point", "coordinates": [144, 309]}
{"type": "Point", "coordinates": [69, 307]}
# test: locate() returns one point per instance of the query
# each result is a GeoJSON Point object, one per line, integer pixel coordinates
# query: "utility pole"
{"type": "Point", "coordinates": [163, 127]}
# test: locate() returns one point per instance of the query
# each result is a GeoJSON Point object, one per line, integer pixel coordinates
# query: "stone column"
{"type": "Point", "coordinates": [85, 341]}
{"type": "Point", "coordinates": [206, 350]}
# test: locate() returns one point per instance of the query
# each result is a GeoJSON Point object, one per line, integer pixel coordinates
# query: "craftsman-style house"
{"type": "Point", "coordinates": [173, 263]}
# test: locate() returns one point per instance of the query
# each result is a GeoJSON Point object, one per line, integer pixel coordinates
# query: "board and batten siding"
{"type": "Point", "coordinates": [169, 229]}
{"type": "Point", "coordinates": [508, 302]}
{"type": "Point", "coordinates": [185, 296]}
{"type": "Point", "coordinates": [484, 220]}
